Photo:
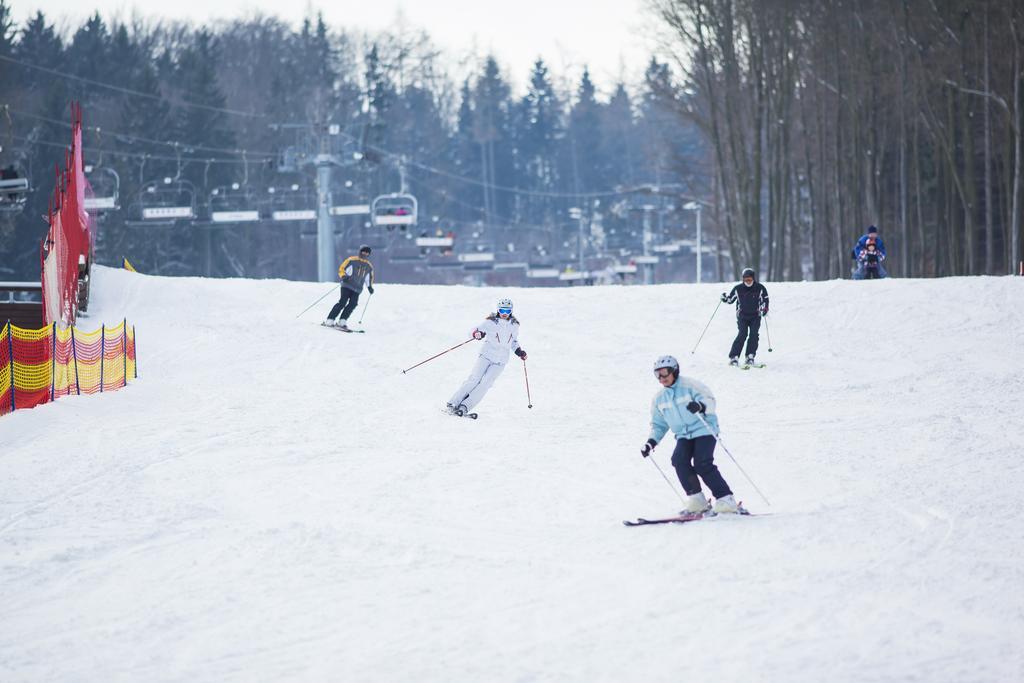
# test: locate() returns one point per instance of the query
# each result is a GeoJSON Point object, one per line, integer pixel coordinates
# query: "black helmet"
{"type": "Point", "coordinates": [748, 272]}
{"type": "Point", "coordinates": [365, 249]}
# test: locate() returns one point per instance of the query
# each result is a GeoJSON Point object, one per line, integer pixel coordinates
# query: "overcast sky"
{"type": "Point", "coordinates": [608, 35]}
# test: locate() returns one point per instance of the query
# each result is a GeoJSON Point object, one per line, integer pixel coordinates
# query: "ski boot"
{"type": "Point", "coordinates": [343, 326]}
{"type": "Point", "coordinates": [750, 360]}
{"type": "Point", "coordinates": [725, 504]}
{"type": "Point", "coordinates": [696, 505]}
{"type": "Point", "coordinates": [734, 361]}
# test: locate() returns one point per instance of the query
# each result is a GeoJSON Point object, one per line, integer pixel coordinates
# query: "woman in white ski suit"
{"type": "Point", "coordinates": [500, 335]}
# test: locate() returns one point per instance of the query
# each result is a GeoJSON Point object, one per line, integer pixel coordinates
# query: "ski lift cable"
{"type": "Point", "coordinates": [497, 219]}
{"type": "Point", "coordinates": [131, 137]}
{"type": "Point", "coordinates": [500, 188]}
{"type": "Point", "coordinates": [129, 91]}
{"type": "Point", "coordinates": [132, 155]}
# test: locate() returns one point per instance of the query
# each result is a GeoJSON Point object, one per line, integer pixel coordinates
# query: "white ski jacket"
{"type": "Point", "coordinates": [501, 338]}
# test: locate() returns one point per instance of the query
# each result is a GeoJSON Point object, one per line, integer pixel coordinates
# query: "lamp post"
{"type": "Point", "coordinates": [695, 206]}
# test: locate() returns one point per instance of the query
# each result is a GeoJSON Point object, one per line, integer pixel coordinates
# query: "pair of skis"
{"type": "Point", "coordinates": [747, 366]}
{"type": "Point", "coordinates": [343, 329]}
{"type": "Point", "coordinates": [684, 517]}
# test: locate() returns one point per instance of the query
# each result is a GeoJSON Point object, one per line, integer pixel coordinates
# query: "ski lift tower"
{"type": "Point", "coordinates": [324, 159]}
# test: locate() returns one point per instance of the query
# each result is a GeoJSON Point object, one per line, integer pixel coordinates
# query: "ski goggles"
{"type": "Point", "coordinates": [661, 373]}
{"type": "Point", "coordinates": [504, 311]}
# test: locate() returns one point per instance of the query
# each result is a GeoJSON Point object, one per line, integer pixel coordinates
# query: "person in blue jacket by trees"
{"type": "Point", "coordinates": [862, 243]}
{"type": "Point", "coordinates": [869, 265]}
{"type": "Point", "coordinates": [676, 407]}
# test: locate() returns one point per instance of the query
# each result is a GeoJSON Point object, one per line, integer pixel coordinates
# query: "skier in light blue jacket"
{"type": "Point", "coordinates": [676, 407]}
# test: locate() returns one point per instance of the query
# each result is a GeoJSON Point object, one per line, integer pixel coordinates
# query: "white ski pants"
{"type": "Point", "coordinates": [477, 384]}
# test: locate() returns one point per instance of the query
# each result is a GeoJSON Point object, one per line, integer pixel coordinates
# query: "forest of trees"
{"type": "Point", "coordinates": [217, 105]}
{"type": "Point", "coordinates": [824, 117]}
{"type": "Point", "coordinates": [796, 124]}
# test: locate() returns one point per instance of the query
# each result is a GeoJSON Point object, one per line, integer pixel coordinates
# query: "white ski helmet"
{"type": "Point", "coordinates": [666, 362]}
{"type": "Point", "coordinates": [504, 303]}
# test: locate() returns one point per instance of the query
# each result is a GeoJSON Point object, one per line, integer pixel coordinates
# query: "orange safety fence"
{"type": "Point", "coordinates": [37, 366]}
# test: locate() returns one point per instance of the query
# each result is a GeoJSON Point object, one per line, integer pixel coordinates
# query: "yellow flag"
{"type": "Point", "coordinates": [127, 266]}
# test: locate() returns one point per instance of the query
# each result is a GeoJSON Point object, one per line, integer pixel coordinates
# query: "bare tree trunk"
{"type": "Point", "coordinates": [1015, 126]}
{"type": "Point", "coordinates": [990, 239]}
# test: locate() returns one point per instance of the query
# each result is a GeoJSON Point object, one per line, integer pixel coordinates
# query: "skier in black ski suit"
{"type": "Point", "coordinates": [751, 299]}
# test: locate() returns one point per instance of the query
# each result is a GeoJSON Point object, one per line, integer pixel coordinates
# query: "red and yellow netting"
{"type": "Point", "coordinates": [42, 365]}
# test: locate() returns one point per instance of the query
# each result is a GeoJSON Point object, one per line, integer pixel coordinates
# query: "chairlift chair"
{"type": "Point", "coordinates": [14, 189]}
{"type": "Point", "coordinates": [233, 204]}
{"type": "Point", "coordinates": [291, 203]}
{"type": "Point", "coordinates": [394, 209]}
{"type": "Point", "coordinates": [106, 187]}
{"type": "Point", "coordinates": [164, 202]}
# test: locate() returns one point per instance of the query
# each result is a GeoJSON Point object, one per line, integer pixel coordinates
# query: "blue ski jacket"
{"type": "Point", "coordinates": [862, 244]}
{"type": "Point", "coordinates": [668, 410]}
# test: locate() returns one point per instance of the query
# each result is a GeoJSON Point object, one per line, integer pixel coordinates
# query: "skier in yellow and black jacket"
{"type": "Point", "coordinates": [355, 272]}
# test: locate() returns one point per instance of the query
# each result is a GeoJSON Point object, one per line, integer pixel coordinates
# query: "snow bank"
{"type": "Point", "coordinates": [273, 500]}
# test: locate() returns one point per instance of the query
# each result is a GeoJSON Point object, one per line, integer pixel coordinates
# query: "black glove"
{"type": "Point", "coordinates": [696, 407]}
{"type": "Point", "coordinates": [479, 334]}
{"type": "Point", "coordinates": [369, 288]}
{"type": "Point", "coordinates": [764, 312]}
{"type": "Point", "coordinates": [521, 353]}
{"type": "Point", "coordinates": [648, 447]}
{"type": "Point", "coordinates": [725, 298]}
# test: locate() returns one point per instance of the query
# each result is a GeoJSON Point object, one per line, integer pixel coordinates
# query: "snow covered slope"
{"type": "Point", "coordinates": [273, 500]}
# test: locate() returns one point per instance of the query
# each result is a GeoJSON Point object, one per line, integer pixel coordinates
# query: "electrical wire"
{"type": "Point", "coordinates": [500, 188]}
{"type": "Point", "coordinates": [256, 156]}
{"type": "Point", "coordinates": [133, 155]}
{"type": "Point", "coordinates": [405, 159]}
{"type": "Point", "coordinates": [129, 91]}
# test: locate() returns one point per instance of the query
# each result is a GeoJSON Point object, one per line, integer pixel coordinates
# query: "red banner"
{"type": "Point", "coordinates": [67, 250]}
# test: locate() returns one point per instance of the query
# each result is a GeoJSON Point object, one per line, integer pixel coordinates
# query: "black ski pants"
{"type": "Point", "coordinates": [694, 458]}
{"type": "Point", "coordinates": [346, 304]}
{"type": "Point", "coordinates": [748, 325]}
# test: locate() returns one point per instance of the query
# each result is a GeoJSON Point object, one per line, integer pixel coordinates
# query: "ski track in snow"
{"type": "Point", "coordinates": [271, 500]}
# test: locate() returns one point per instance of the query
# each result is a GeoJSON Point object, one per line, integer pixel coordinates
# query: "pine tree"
{"type": "Point", "coordinates": [491, 131]}
{"type": "Point", "coordinates": [7, 33]}
{"type": "Point", "coordinates": [588, 167]}
{"type": "Point", "coordinates": [539, 130]}
{"type": "Point", "coordinates": [465, 159]}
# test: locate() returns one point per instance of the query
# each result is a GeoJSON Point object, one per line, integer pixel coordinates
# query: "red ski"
{"type": "Point", "coordinates": [682, 519]}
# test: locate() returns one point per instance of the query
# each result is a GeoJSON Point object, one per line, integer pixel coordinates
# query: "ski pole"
{"type": "Point", "coordinates": [767, 333]}
{"type": "Point", "coordinates": [706, 326]}
{"type": "Point", "coordinates": [436, 356]}
{"type": "Point", "coordinates": [367, 305]}
{"type": "Point", "coordinates": [316, 302]}
{"type": "Point", "coordinates": [529, 401]}
{"type": "Point", "coordinates": [662, 472]}
{"type": "Point", "coordinates": [719, 440]}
